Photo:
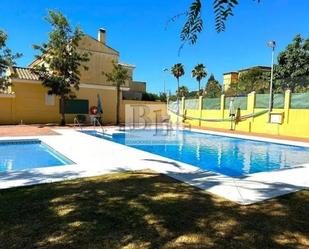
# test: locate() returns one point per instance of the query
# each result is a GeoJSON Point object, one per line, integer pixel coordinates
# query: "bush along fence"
{"type": "Point", "coordinates": [290, 112]}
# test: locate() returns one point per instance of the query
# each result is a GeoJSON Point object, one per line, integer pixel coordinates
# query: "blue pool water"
{"type": "Point", "coordinates": [26, 154]}
{"type": "Point", "coordinates": [225, 155]}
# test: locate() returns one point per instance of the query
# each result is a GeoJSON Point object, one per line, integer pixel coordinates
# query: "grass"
{"type": "Point", "coordinates": [145, 210]}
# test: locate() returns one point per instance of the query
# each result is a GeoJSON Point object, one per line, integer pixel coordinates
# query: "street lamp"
{"type": "Point", "coordinates": [165, 70]}
{"type": "Point", "coordinates": [272, 45]}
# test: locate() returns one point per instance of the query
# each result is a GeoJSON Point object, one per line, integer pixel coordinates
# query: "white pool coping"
{"type": "Point", "coordinates": [94, 156]}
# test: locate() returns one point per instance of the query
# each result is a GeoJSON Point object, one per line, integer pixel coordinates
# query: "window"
{"type": "Point", "coordinates": [49, 99]}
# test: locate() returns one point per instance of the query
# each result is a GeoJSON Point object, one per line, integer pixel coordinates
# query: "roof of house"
{"type": "Point", "coordinates": [139, 82]}
{"type": "Point", "coordinates": [233, 72]}
{"type": "Point", "coordinates": [255, 67]}
{"type": "Point", "coordinates": [24, 73]}
{"type": "Point", "coordinates": [126, 65]}
{"type": "Point", "coordinates": [246, 69]}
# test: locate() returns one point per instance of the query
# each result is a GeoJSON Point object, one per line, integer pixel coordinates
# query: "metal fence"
{"type": "Point", "coordinates": [262, 101]}
{"type": "Point", "coordinates": [191, 104]}
{"type": "Point", "coordinates": [239, 102]}
{"type": "Point", "coordinates": [172, 105]}
{"type": "Point", "coordinates": [300, 100]}
{"type": "Point", "coordinates": [211, 104]}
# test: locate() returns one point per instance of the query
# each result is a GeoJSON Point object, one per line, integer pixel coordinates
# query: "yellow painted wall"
{"type": "Point", "coordinates": [98, 65]}
{"type": "Point", "coordinates": [123, 104]}
{"type": "Point", "coordinates": [100, 62]}
{"type": "Point", "coordinates": [295, 121]}
{"type": "Point", "coordinates": [108, 98]}
{"type": "Point", "coordinates": [29, 104]}
{"type": "Point", "coordinates": [228, 79]}
{"type": "Point", "coordinates": [101, 59]}
{"type": "Point", "coordinates": [7, 105]}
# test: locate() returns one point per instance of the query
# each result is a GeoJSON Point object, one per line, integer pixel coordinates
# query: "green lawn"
{"type": "Point", "coordinates": [145, 210]}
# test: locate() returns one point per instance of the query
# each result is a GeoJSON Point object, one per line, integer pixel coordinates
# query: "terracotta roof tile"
{"type": "Point", "coordinates": [24, 73]}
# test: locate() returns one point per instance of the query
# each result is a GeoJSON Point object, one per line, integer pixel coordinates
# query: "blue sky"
{"type": "Point", "coordinates": [137, 28]}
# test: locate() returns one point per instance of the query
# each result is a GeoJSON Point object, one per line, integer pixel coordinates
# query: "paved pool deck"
{"type": "Point", "coordinates": [25, 130]}
{"type": "Point", "coordinates": [93, 156]}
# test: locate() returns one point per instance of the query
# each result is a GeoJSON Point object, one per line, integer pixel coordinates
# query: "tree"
{"type": "Point", "coordinates": [213, 89]}
{"type": "Point", "coordinates": [193, 94]}
{"type": "Point", "coordinates": [183, 91]}
{"type": "Point", "coordinates": [233, 90]}
{"type": "Point", "coordinates": [292, 71]}
{"type": "Point", "coordinates": [193, 25]}
{"type": "Point", "coordinates": [254, 79]}
{"type": "Point", "coordinates": [172, 97]}
{"type": "Point", "coordinates": [7, 59]}
{"type": "Point", "coordinates": [162, 97]}
{"type": "Point", "coordinates": [199, 72]}
{"type": "Point", "coordinates": [118, 77]}
{"type": "Point", "coordinates": [150, 97]}
{"type": "Point", "coordinates": [178, 71]}
{"type": "Point", "coordinates": [60, 70]}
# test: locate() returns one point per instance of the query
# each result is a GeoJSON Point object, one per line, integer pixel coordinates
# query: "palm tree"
{"type": "Point", "coordinates": [118, 77]}
{"type": "Point", "coordinates": [178, 71]}
{"type": "Point", "coordinates": [199, 72]}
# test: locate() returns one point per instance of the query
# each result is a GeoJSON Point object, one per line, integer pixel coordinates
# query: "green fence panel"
{"type": "Point", "coordinates": [239, 102]}
{"type": "Point", "coordinates": [211, 103]}
{"type": "Point", "coordinates": [173, 106]}
{"type": "Point", "coordinates": [300, 100]}
{"type": "Point", "coordinates": [278, 101]}
{"type": "Point", "coordinates": [191, 103]}
{"type": "Point", "coordinates": [76, 106]}
{"type": "Point", "coordinates": [262, 101]}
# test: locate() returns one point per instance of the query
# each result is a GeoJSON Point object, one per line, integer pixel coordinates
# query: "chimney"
{"type": "Point", "coordinates": [102, 35]}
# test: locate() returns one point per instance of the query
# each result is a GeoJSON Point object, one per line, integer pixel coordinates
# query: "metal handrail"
{"type": "Point", "coordinates": [96, 121]}
{"type": "Point", "coordinates": [76, 122]}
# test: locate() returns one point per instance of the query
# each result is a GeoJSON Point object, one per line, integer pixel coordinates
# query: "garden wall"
{"type": "Point", "coordinates": [214, 113]}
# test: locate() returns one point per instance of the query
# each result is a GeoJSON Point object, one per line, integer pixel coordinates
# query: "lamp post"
{"type": "Point", "coordinates": [272, 45]}
{"type": "Point", "coordinates": [165, 71]}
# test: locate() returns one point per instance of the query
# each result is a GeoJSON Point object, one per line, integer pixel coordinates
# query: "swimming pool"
{"type": "Point", "coordinates": [27, 154]}
{"type": "Point", "coordinates": [225, 155]}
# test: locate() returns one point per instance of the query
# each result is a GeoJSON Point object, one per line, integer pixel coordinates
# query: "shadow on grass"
{"type": "Point", "coordinates": [145, 210]}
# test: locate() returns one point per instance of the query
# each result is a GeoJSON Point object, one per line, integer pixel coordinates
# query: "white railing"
{"type": "Point", "coordinates": [97, 122]}
{"type": "Point", "coordinates": [77, 123]}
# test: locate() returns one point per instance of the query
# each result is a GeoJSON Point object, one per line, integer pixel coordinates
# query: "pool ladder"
{"type": "Point", "coordinates": [77, 124]}
{"type": "Point", "coordinates": [95, 122]}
